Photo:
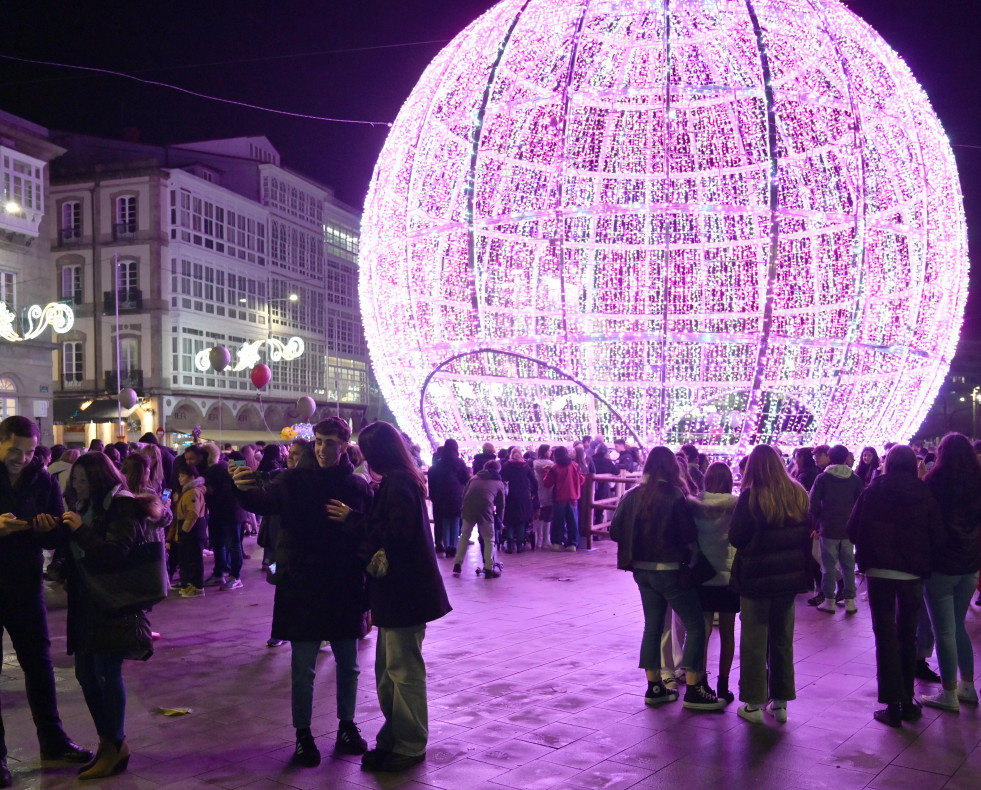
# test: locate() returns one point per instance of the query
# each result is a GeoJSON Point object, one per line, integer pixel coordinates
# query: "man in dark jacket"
{"type": "Point", "coordinates": [897, 528]}
{"type": "Point", "coordinates": [486, 454]}
{"type": "Point", "coordinates": [833, 496]}
{"type": "Point", "coordinates": [320, 583]}
{"type": "Point", "coordinates": [29, 497]}
{"type": "Point", "coordinates": [447, 478]}
{"type": "Point", "coordinates": [225, 516]}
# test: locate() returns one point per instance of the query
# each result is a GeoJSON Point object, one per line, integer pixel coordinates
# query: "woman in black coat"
{"type": "Point", "coordinates": [897, 529]}
{"type": "Point", "coordinates": [521, 502]}
{"type": "Point", "coordinates": [406, 592]}
{"type": "Point", "coordinates": [955, 482]}
{"type": "Point", "coordinates": [772, 537]}
{"type": "Point", "coordinates": [105, 523]}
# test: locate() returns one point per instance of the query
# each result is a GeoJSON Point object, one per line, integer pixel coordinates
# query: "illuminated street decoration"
{"type": "Point", "coordinates": [248, 355]}
{"type": "Point", "coordinates": [57, 317]}
{"type": "Point", "coordinates": [736, 222]}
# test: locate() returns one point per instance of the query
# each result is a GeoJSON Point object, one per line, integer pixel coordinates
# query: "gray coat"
{"type": "Point", "coordinates": [484, 493]}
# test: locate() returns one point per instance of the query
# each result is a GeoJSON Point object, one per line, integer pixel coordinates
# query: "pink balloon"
{"type": "Point", "coordinates": [260, 375]}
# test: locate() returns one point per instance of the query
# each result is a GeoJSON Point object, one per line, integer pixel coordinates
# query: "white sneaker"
{"type": "Point", "coordinates": [777, 709]}
{"type": "Point", "coordinates": [945, 700]}
{"type": "Point", "coordinates": [752, 716]}
{"type": "Point", "coordinates": [850, 606]}
{"type": "Point", "coordinates": [966, 692]}
{"type": "Point", "coordinates": [827, 605]}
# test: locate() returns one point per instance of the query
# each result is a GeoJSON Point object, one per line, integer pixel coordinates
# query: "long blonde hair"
{"type": "Point", "coordinates": [772, 491]}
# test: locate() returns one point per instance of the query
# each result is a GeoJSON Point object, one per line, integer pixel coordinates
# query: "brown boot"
{"type": "Point", "coordinates": [111, 761]}
{"type": "Point", "coordinates": [98, 755]}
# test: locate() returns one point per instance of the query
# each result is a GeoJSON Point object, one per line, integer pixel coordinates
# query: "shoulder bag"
{"type": "Point", "coordinates": [136, 586]}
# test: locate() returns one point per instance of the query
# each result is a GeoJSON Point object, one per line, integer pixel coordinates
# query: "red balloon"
{"type": "Point", "coordinates": [260, 376]}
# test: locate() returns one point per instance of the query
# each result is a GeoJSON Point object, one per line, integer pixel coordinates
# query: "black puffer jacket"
{"type": "Point", "coordinates": [21, 561]}
{"type": "Point", "coordinates": [897, 525]}
{"type": "Point", "coordinates": [104, 544]}
{"type": "Point", "coordinates": [320, 580]}
{"type": "Point", "coordinates": [522, 498]}
{"type": "Point", "coordinates": [660, 532]}
{"type": "Point", "coordinates": [771, 559]}
{"type": "Point", "coordinates": [412, 593]}
{"type": "Point", "coordinates": [961, 511]}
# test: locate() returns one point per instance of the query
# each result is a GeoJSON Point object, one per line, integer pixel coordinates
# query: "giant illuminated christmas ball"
{"type": "Point", "coordinates": [696, 220]}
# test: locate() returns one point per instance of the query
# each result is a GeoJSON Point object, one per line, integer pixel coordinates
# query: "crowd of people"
{"type": "Point", "coordinates": [346, 551]}
{"type": "Point", "coordinates": [349, 544]}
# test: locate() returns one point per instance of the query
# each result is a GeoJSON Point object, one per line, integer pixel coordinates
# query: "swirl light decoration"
{"type": "Point", "coordinates": [248, 355]}
{"type": "Point", "coordinates": [737, 221]}
{"type": "Point", "coordinates": [60, 318]}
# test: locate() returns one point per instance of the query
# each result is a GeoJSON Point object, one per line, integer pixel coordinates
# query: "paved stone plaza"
{"type": "Point", "coordinates": [533, 683]}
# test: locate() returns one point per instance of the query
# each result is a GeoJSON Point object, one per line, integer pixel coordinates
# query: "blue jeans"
{"type": "Point", "coordinates": [101, 677]}
{"type": "Point", "coordinates": [565, 522]}
{"type": "Point", "coordinates": [226, 542]}
{"type": "Point", "coordinates": [657, 590]}
{"type": "Point", "coordinates": [947, 599]}
{"type": "Point", "coordinates": [304, 672]}
{"type": "Point", "coordinates": [833, 554]}
{"type": "Point", "coordinates": [449, 531]}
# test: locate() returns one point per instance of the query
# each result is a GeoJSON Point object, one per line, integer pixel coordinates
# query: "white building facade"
{"type": "Point", "coordinates": [199, 246]}
{"type": "Point", "coordinates": [26, 274]}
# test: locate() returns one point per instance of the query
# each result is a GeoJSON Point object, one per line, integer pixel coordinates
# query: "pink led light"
{"type": "Point", "coordinates": [735, 222]}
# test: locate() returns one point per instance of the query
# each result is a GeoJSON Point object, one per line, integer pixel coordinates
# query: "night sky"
{"type": "Point", "coordinates": [359, 60]}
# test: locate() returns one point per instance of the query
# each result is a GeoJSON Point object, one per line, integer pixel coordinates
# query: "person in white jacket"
{"type": "Point", "coordinates": [712, 510]}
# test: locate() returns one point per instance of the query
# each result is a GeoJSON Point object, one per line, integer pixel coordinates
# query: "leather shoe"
{"type": "Point", "coordinates": [66, 752]}
{"type": "Point", "coordinates": [396, 763]}
{"type": "Point", "coordinates": [890, 716]}
{"type": "Point", "coordinates": [6, 780]}
{"type": "Point", "coordinates": [373, 759]}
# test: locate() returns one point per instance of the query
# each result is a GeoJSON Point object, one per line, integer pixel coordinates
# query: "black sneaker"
{"type": "Point", "coordinates": [349, 740]}
{"type": "Point", "coordinates": [817, 600]}
{"type": "Point", "coordinates": [890, 715]}
{"type": "Point", "coordinates": [306, 752]}
{"type": "Point", "coordinates": [924, 672]}
{"type": "Point", "coordinates": [659, 694]}
{"type": "Point", "coordinates": [701, 697]}
{"type": "Point", "coordinates": [840, 598]}
{"type": "Point", "coordinates": [457, 569]}
{"type": "Point", "coordinates": [491, 573]}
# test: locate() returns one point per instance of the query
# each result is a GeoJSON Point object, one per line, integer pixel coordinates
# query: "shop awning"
{"type": "Point", "coordinates": [74, 410]}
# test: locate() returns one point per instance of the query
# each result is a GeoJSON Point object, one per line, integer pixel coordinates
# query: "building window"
{"type": "Point", "coordinates": [22, 182]}
{"type": "Point", "coordinates": [125, 216]}
{"type": "Point", "coordinates": [128, 276]}
{"type": "Point", "coordinates": [71, 284]}
{"type": "Point", "coordinates": [129, 354]}
{"type": "Point", "coordinates": [71, 221]}
{"type": "Point", "coordinates": [7, 288]}
{"type": "Point", "coordinates": [8, 398]}
{"type": "Point", "coordinates": [72, 362]}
